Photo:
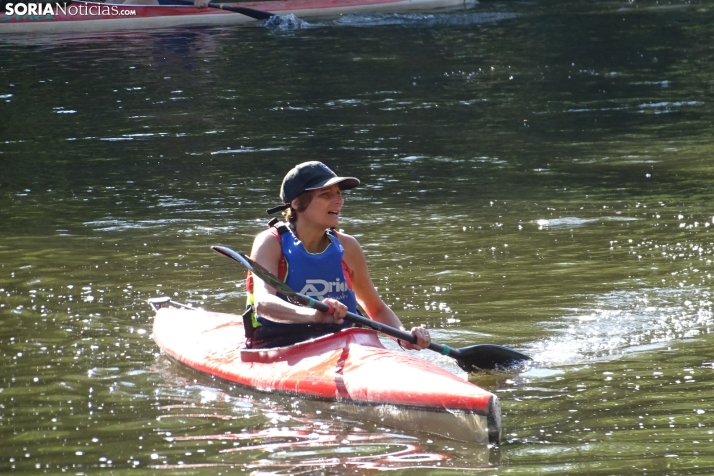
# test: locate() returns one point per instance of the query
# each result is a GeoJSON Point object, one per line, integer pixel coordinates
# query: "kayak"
{"type": "Point", "coordinates": [351, 367]}
{"type": "Point", "coordinates": [81, 16]}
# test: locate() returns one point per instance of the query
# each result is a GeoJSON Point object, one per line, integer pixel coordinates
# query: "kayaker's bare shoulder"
{"type": "Point", "coordinates": [346, 240]}
{"type": "Point", "coordinates": [353, 250]}
{"type": "Point", "coordinates": [361, 281]}
{"type": "Point", "coordinates": [267, 250]}
{"type": "Point", "coordinates": [265, 237]}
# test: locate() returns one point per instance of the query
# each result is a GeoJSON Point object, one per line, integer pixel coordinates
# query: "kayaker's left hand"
{"type": "Point", "coordinates": [201, 3]}
{"type": "Point", "coordinates": [423, 339]}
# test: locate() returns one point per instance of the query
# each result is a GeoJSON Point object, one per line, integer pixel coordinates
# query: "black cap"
{"type": "Point", "coordinates": [309, 176]}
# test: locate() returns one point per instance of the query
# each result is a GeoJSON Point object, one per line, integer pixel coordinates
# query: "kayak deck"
{"type": "Point", "coordinates": [351, 366]}
{"type": "Point", "coordinates": [83, 16]}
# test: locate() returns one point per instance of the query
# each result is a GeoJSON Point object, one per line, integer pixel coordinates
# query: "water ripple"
{"type": "Point", "coordinates": [627, 321]}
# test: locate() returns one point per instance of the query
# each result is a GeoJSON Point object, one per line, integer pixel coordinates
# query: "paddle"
{"type": "Point", "coordinates": [484, 356]}
{"type": "Point", "coordinates": [250, 12]}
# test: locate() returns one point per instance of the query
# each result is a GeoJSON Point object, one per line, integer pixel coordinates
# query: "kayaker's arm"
{"type": "Point", "coordinates": [267, 252]}
{"type": "Point", "coordinates": [368, 297]}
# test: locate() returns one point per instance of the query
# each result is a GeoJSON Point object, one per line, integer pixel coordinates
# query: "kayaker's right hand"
{"type": "Point", "coordinates": [201, 3]}
{"type": "Point", "coordinates": [335, 318]}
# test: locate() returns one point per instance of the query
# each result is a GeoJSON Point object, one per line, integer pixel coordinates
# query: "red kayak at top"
{"type": "Point", "coordinates": [83, 16]}
{"type": "Point", "coordinates": [351, 367]}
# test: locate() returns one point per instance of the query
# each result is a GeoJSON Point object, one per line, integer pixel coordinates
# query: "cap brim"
{"type": "Point", "coordinates": [345, 183]}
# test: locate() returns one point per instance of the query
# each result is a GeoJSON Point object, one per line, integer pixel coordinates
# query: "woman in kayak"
{"type": "Point", "coordinates": [312, 258]}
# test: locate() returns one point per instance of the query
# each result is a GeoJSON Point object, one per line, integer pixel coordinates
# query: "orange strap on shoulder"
{"type": "Point", "coordinates": [283, 265]}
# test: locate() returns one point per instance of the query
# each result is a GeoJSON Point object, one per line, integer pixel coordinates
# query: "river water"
{"type": "Point", "coordinates": [535, 174]}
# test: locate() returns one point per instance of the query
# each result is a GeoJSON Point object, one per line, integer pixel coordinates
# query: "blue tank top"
{"type": "Point", "coordinates": [318, 275]}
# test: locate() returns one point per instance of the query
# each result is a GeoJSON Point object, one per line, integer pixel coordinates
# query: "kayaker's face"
{"type": "Point", "coordinates": [325, 206]}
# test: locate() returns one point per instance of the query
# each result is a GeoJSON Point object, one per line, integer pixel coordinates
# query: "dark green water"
{"type": "Point", "coordinates": [536, 175]}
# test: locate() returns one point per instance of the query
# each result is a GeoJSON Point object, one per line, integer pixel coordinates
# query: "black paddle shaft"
{"type": "Point", "coordinates": [249, 12]}
{"type": "Point", "coordinates": [486, 356]}
{"type": "Point", "coordinates": [470, 359]}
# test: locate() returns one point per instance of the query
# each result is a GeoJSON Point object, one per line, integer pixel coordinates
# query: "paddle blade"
{"type": "Point", "coordinates": [487, 357]}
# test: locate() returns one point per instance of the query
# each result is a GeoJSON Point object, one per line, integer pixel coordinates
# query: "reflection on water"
{"type": "Point", "coordinates": [416, 20]}
{"type": "Point", "coordinates": [574, 222]}
{"type": "Point", "coordinates": [309, 447]}
{"type": "Point", "coordinates": [284, 435]}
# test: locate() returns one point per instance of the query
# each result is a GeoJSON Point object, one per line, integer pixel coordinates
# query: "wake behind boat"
{"type": "Point", "coordinates": [351, 366]}
{"type": "Point", "coordinates": [82, 16]}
